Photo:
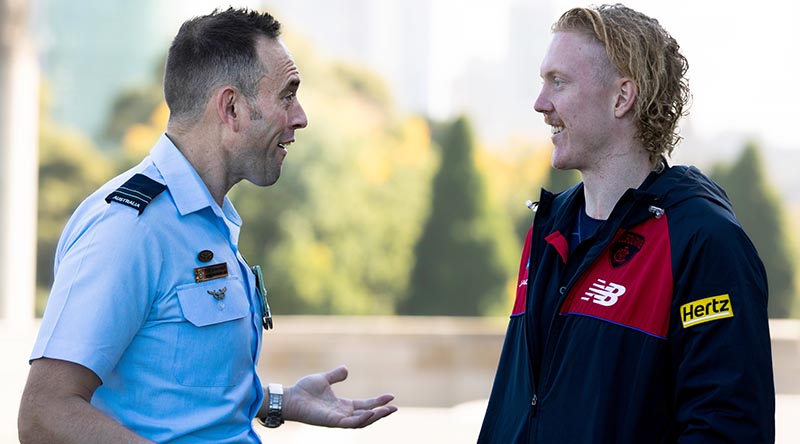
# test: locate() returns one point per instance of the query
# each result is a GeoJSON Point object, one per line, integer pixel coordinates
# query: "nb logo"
{"type": "Point", "coordinates": [523, 283]}
{"type": "Point", "coordinates": [604, 293]}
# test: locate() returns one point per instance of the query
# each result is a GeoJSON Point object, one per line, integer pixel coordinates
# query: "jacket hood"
{"type": "Point", "coordinates": [679, 183]}
{"type": "Point", "coordinates": [664, 190]}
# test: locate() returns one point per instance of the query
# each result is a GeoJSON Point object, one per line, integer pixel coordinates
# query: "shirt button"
{"type": "Point", "coordinates": [205, 256]}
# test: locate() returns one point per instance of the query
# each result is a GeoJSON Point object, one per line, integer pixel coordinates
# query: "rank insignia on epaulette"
{"type": "Point", "coordinates": [137, 192]}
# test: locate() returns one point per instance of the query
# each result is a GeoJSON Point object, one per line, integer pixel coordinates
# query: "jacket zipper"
{"type": "Point", "coordinates": [586, 262]}
{"type": "Point", "coordinates": [563, 291]}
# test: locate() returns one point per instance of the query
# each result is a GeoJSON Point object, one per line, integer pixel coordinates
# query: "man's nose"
{"type": "Point", "coordinates": [542, 104]}
{"type": "Point", "coordinates": [299, 118]}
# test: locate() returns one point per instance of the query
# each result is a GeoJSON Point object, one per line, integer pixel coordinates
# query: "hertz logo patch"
{"type": "Point", "coordinates": [704, 310]}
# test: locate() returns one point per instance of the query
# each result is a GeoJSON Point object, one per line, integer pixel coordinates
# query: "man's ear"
{"type": "Point", "coordinates": [227, 102]}
{"type": "Point", "coordinates": [625, 96]}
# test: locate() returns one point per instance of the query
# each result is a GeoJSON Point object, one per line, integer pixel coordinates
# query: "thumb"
{"type": "Point", "coordinates": [338, 374]}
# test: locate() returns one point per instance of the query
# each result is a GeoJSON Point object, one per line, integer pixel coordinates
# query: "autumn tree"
{"type": "Point", "coordinates": [70, 168]}
{"type": "Point", "coordinates": [462, 261]}
{"type": "Point", "coordinates": [336, 234]}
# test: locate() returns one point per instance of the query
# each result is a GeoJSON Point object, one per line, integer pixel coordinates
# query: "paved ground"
{"type": "Point", "coordinates": [458, 424]}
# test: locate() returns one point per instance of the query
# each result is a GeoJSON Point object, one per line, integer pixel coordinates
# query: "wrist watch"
{"type": "Point", "coordinates": [274, 400]}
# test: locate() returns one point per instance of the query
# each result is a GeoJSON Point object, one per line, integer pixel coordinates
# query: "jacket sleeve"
{"type": "Point", "coordinates": [719, 330]}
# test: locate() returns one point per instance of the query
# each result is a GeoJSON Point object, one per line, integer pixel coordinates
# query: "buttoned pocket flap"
{"type": "Point", "coordinates": [213, 302]}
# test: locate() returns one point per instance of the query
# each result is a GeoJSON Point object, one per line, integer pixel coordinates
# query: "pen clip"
{"type": "Point", "coordinates": [261, 289]}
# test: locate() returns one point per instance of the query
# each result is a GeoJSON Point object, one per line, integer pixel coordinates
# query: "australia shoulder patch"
{"type": "Point", "coordinates": [137, 192]}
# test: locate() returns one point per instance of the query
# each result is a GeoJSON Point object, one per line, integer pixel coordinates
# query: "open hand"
{"type": "Point", "coordinates": [312, 401]}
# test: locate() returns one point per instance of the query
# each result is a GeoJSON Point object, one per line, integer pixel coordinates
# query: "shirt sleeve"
{"type": "Point", "coordinates": [105, 281]}
{"type": "Point", "coordinates": [720, 339]}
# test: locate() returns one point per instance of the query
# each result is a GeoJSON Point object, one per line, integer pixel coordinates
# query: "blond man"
{"type": "Point", "coordinates": [641, 309]}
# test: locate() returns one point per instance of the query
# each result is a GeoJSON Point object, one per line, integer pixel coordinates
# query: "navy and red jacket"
{"type": "Point", "coordinates": [658, 332]}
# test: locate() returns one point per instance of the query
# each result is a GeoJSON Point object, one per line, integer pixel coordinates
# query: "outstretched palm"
{"type": "Point", "coordinates": [312, 401]}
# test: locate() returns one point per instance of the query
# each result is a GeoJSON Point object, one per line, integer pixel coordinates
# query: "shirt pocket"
{"type": "Point", "coordinates": [213, 344]}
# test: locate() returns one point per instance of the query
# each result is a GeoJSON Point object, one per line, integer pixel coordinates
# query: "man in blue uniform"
{"type": "Point", "coordinates": [641, 309]}
{"type": "Point", "coordinates": [154, 324]}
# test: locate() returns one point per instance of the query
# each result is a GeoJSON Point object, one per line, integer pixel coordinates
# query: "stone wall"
{"type": "Point", "coordinates": [429, 361]}
{"type": "Point", "coordinates": [785, 335]}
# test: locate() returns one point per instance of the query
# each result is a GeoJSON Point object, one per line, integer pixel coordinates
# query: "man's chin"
{"type": "Point", "coordinates": [266, 181]}
{"type": "Point", "coordinates": [561, 163]}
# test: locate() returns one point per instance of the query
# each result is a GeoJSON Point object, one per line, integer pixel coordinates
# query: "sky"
{"type": "Point", "coordinates": [744, 59]}
{"type": "Point", "coordinates": [743, 64]}
{"type": "Point", "coordinates": [743, 54]}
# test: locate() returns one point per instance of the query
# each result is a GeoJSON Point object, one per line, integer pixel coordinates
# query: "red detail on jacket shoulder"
{"type": "Point", "coordinates": [557, 240]}
{"type": "Point", "coordinates": [636, 293]}
{"type": "Point", "coordinates": [522, 277]}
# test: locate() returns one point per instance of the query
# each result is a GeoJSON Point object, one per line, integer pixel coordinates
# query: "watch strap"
{"type": "Point", "coordinates": [274, 400]}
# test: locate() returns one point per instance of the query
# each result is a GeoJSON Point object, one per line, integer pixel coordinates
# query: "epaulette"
{"type": "Point", "coordinates": [137, 192]}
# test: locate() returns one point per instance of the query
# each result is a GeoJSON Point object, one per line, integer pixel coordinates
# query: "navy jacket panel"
{"type": "Point", "coordinates": [661, 332]}
{"type": "Point", "coordinates": [512, 407]}
{"type": "Point", "coordinates": [723, 370]}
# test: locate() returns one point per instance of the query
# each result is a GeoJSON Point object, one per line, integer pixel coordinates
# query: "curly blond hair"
{"type": "Point", "coordinates": [640, 48]}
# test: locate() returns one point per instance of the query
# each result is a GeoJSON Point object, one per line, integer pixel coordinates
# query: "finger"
{"type": "Point", "coordinates": [379, 413]}
{"type": "Point", "coordinates": [369, 404]}
{"type": "Point", "coordinates": [338, 374]}
{"type": "Point", "coordinates": [357, 421]}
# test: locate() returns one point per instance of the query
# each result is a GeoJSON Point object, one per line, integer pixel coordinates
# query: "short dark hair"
{"type": "Point", "coordinates": [212, 50]}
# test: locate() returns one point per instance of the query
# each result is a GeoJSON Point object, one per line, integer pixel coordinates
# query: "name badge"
{"type": "Point", "coordinates": [211, 272]}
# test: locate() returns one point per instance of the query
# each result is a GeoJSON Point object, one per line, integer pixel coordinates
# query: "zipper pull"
{"type": "Point", "coordinates": [657, 212]}
{"type": "Point", "coordinates": [534, 402]}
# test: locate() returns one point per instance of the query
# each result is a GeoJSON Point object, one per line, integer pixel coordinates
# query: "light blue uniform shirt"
{"type": "Point", "coordinates": [178, 365]}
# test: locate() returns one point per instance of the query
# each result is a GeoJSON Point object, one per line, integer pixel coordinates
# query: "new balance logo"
{"type": "Point", "coordinates": [604, 293]}
{"type": "Point", "coordinates": [523, 283]}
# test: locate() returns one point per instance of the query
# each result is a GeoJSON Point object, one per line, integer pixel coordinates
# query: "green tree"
{"type": "Point", "coordinates": [336, 234]}
{"type": "Point", "coordinates": [515, 173]}
{"type": "Point", "coordinates": [560, 180]}
{"type": "Point", "coordinates": [70, 168]}
{"type": "Point", "coordinates": [761, 214]}
{"type": "Point", "coordinates": [464, 258]}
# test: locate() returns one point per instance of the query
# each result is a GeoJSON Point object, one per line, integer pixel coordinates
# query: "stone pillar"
{"type": "Point", "coordinates": [19, 103]}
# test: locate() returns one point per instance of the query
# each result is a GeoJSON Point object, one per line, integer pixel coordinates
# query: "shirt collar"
{"type": "Point", "coordinates": [187, 188]}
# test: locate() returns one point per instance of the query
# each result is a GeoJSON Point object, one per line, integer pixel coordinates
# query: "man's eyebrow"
{"type": "Point", "coordinates": [551, 73]}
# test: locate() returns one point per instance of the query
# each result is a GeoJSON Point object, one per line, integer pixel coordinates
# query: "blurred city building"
{"type": "Point", "coordinates": [19, 87]}
{"type": "Point", "coordinates": [91, 50]}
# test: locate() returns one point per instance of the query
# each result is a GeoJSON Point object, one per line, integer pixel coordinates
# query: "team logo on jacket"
{"type": "Point", "coordinates": [625, 247]}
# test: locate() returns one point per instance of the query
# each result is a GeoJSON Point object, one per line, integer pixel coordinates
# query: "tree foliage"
{"type": "Point", "coordinates": [462, 265]}
{"type": "Point", "coordinates": [560, 180]}
{"type": "Point", "coordinates": [336, 233]}
{"type": "Point", "coordinates": [514, 174]}
{"type": "Point", "coordinates": [70, 168]}
{"type": "Point", "coordinates": [761, 214]}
